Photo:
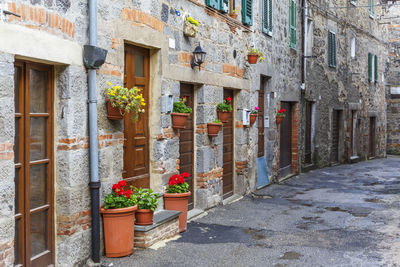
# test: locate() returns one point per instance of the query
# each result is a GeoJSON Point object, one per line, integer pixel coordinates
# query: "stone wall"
{"type": "Point", "coordinates": [346, 87]}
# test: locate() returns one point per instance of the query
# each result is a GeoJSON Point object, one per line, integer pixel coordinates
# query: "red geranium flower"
{"type": "Point", "coordinates": [185, 175]}
{"type": "Point", "coordinates": [229, 99]}
{"type": "Point", "coordinates": [122, 183]}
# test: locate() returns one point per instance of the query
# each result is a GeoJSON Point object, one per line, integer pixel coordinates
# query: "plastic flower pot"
{"type": "Point", "coordinates": [279, 119]}
{"type": "Point", "coordinates": [179, 120]}
{"type": "Point", "coordinates": [144, 217]}
{"type": "Point", "coordinates": [252, 59]}
{"type": "Point", "coordinates": [189, 29]}
{"type": "Point", "coordinates": [179, 202]}
{"type": "Point", "coordinates": [213, 128]}
{"type": "Point", "coordinates": [113, 113]}
{"type": "Point", "coordinates": [253, 118]}
{"type": "Point", "coordinates": [224, 115]}
{"type": "Point", "coordinates": [119, 229]}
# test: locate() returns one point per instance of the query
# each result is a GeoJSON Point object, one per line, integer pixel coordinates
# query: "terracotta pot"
{"type": "Point", "coordinates": [178, 202]}
{"type": "Point", "coordinates": [112, 112]}
{"type": "Point", "coordinates": [179, 120]}
{"type": "Point", "coordinates": [252, 59]}
{"type": "Point", "coordinates": [253, 118]}
{"type": "Point", "coordinates": [279, 119]}
{"type": "Point", "coordinates": [224, 115]}
{"type": "Point", "coordinates": [233, 15]}
{"type": "Point", "coordinates": [144, 217]}
{"type": "Point", "coordinates": [213, 128]}
{"type": "Point", "coordinates": [119, 228]}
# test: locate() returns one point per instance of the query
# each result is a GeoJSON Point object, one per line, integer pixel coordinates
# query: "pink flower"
{"type": "Point", "coordinates": [256, 108]}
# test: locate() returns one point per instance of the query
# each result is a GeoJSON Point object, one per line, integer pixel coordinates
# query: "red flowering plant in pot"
{"type": "Point", "coordinates": [254, 114]}
{"type": "Point", "coordinates": [224, 109]}
{"type": "Point", "coordinates": [280, 115]}
{"type": "Point", "coordinates": [119, 220]}
{"type": "Point", "coordinates": [176, 197]}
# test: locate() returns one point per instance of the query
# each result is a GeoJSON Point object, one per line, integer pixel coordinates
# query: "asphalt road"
{"type": "Point", "coordinates": [347, 215]}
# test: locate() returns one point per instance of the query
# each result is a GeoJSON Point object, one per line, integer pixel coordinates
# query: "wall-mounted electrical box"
{"type": "Point", "coordinates": [246, 117]}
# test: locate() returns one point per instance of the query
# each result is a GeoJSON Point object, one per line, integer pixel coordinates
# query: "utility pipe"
{"type": "Point", "coordinates": [93, 142]}
{"type": "Point", "coordinates": [305, 45]}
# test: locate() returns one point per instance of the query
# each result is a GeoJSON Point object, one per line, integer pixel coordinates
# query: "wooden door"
{"type": "Point", "coordinates": [308, 152]}
{"type": "Point", "coordinates": [186, 142]}
{"type": "Point", "coordinates": [228, 151]}
{"type": "Point", "coordinates": [260, 118]}
{"type": "Point", "coordinates": [136, 144]}
{"type": "Point", "coordinates": [372, 140]}
{"type": "Point", "coordinates": [335, 136]}
{"type": "Point", "coordinates": [33, 150]}
{"type": "Point", "coordinates": [286, 141]}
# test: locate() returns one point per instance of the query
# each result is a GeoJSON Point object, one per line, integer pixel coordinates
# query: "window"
{"type": "Point", "coordinates": [353, 47]}
{"type": "Point", "coordinates": [371, 8]}
{"type": "Point", "coordinates": [247, 12]}
{"type": "Point", "coordinates": [372, 68]}
{"type": "Point", "coordinates": [331, 49]}
{"type": "Point", "coordinates": [221, 5]}
{"type": "Point", "coordinates": [267, 17]}
{"type": "Point", "coordinates": [292, 23]}
{"type": "Point", "coordinates": [376, 68]}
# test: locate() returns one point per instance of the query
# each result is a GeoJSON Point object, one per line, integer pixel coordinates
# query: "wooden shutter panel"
{"type": "Point", "coordinates": [329, 49]}
{"type": "Point", "coordinates": [213, 3]}
{"type": "Point", "coordinates": [265, 22]}
{"type": "Point", "coordinates": [224, 6]}
{"type": "Point", "coordinates": [369, 67]}
{"type": "Point", "coordinates": [292, 13]}
{"type": "Point", "coordinates": [270, 16]}
{"type": "Point", "coordinates": [376, 68]}
{"type": "Point", "coordinates": [247, 12]}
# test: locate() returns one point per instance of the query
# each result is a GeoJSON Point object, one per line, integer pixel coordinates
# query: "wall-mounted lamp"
{"type": "Point", "coordinates": [199, 56]}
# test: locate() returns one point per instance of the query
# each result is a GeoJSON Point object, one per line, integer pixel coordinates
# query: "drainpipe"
{"type": "Point", "coordinates": [305, 33]}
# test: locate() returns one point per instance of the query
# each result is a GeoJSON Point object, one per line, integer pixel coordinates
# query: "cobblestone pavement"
{"type": "Point", "coordinates": [346, 215]}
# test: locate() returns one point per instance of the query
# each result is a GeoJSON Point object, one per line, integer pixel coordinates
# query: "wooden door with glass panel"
{"type": "Point", "coordinates": [136, 145]}
{"type": "Point", "coordinates": [34, 238]}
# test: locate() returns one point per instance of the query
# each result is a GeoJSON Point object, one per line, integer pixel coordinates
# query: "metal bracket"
{"type": "Point", "coordinates": [92, 101]}
{"type": "Point", "coordinates": [6, 12]}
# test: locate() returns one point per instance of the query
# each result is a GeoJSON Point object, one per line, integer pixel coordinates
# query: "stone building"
{"type": "Point", "coordinates": [344, 118]}
{"type": "Point", "coordinates": [393, 80]}
{"type": "Point", "coordinates": [45, 197]}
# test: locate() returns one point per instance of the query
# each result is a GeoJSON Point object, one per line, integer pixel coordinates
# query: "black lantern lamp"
{"type": "Point", "coordinates": [199, 56]}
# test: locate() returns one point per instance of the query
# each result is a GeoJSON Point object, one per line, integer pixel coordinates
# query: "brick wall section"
{"type": "Point", "coordinates": [232, 70]}
{"type": "Point", "coordinates": [165, 231]}
{"type": "Point", "coordinates": [393, 126]}
{"type": "Point", "coordinates": [142, 18]}
{"type": "Point", "coordinates": [6, 151]}
{"type": "Point", "coordinates": [83, 142]}
{"type": "Point", "coordinates": [204, 178]}
{"type": "Point", "coordinates": [241, 167]}
{"type": "Point", "coordinates": [40, 18]}
{"type": "Point", "coordinates": [69, 224]}
{"type": "Point", "coordinates": [110, 70]}
{"type": "Point", "coordinates": [295, 140]}
{"type": "Point", "coordinates": [7, 254]}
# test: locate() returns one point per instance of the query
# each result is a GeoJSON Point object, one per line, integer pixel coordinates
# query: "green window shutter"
{"type": "Point", "coordinates": [292, 23]}
{"type": "Point", "coordinates": [224, 6]}
{"type": "Point", "coordinates": [371, 8]}
{"type": "Point", "coordinates": [376, 68]}
{"type": "Point", "coordinates": [270, 23]}
{"type": "Point", "coordinates": [369, 67]}
{"type": "Point", "coordinates": [334, 49]}
{"type": "Point", "coordinates": [265, 22]}
{"type": "Point", "coordinates": [247, 12]}
{"type": "Point", "coordinates": [331, 49]}
{"type": "Point", "coordinates": [213, 3]}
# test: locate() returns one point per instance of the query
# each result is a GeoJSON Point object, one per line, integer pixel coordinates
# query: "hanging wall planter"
{"type": "Point", "coordinates": [279, 119]}
{"type": "Point", "coordinates": [224, 115]}
{"type": "Point", "coordinates": [224, 110]}
{"type": "Point", "coordinates": [252, 59]}
{"type": "Point", "coordinates": [214, 127]}
{"type": "Point", "coordinates": [254, 55]}
{"type": "Point", "coordinates": [280, 115]}
{"type": "Point", "coordinates": [113, 113]}
{"type": "Point", "coordinates": [180, 113]}
{"type": "Point", "coordinates": [190, 27]}
{"type": "Point", "coordinates": [253, 118]}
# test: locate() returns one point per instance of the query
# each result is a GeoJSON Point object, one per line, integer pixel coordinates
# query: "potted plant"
{"type": "Point", "coordinates": [253, 115]}
{"type": "Point", "coordinates": [280, 115]}
{"type": "Point", "coordinates": [122, 100]}
{"type": "Point", "coordinates": [224, 109]}
{"type": "Point", "coordinates": [254, 55]}
{"type": "Point", "coordinates": [180, 113]}
{"type": "Point", "coordinates": [147, 202]}
{"type": "Point", "coordinates": [234, 14]}
{"type": "Point", "coordinates": [119, 220]}
{"type": "Point", "coordinates": [176, 197]}
{"type": "Point", "coordinates": [213, 127]}
{"type": "Point", "coordinates": [190, 27]}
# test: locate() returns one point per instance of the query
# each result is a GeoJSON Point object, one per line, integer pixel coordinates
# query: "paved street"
{"type": "Point", "coordinates": [346, 215]}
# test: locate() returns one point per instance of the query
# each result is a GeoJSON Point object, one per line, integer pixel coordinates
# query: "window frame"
{"type": "Point", "coordinates": [269, 30]}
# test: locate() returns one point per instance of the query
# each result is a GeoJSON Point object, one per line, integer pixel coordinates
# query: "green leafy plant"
{"type": "Point", "coordinates": [177, 184]}
{"type": "Point", "coordinates": [146, 199]}
{"type": "Point", "coordinates": [119, 198]}
{"type": "Point", "coordinates": [192, 21]}
{"type": "Point", "coordinates": [235, 11]}
{"type": "Point", "coordinates": [225, 106]}
{"type": "Point", "coordinates": [254, 51]}
{"type": "Point", "coordinates": [180, 107]}
{"type": "Point", "coordinates": [217, 121]}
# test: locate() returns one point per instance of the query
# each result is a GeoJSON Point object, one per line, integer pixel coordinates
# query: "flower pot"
{"type": "Point", "coordinates": [233, 15]}
{"type": "Point", "coordinates": [189, 29]}
{"type": "Point", "coordinates": [253, 118]}
{"type": "Point", "coordinates": [279, 119]}
{"type": "Point", "coordinates": [118, 231]}
{"type": "Point", "coordinates": [213, 128]}
{"type": "Point", "coordinates": [113, 113]}
{"type": "Point", "coordinates": [179, 120]}
{"type": "Point", "coordinates": [144, 217]}
{"type": "Point", "coordinates": [224, 115]}
{"type": "Point", "coordinates": [178, 202]}
{"type": "Point", "coordinates": [252, 59]}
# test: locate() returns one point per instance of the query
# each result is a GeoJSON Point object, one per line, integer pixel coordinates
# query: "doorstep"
{"type": "Point", "coordinates": [354, 159]}
{"type": "Point", "coordinates": [231, 199]}
{"type": "Point", "coordinates": [166, 225]}
{"type": "Point", "coordinates": [193, 213]}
